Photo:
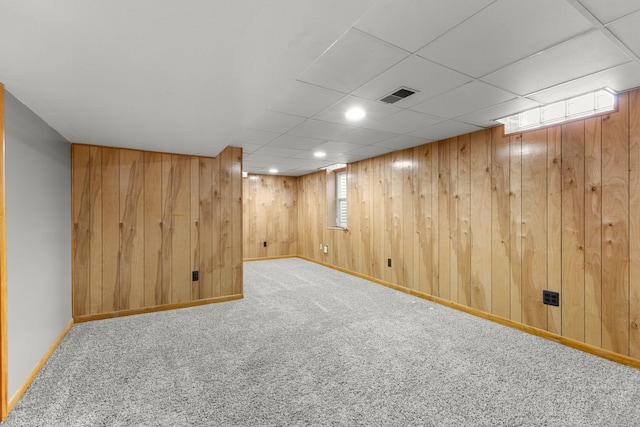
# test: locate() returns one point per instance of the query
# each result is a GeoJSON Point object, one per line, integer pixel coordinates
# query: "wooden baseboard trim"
{"type": "Point", "coordinates": [269, 257]}
{"type": "Point", "coordinates": [587, 348]}
{"type": "Point", "coordinates": [164, 307]}
{"type": "Point", "coordinates": [23, 388]}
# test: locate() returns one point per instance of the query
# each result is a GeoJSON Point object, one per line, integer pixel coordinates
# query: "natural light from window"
{"type": "Point", "coordinates": [558, 112]}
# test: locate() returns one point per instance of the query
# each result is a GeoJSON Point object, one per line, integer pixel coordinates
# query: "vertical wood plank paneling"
{"type": "Point", "coordinates": [515, 206]}
{"type": "Point", "coordinates": [195, 224]}
{"type": "Point", "coordinates": [424, 218]}
{"type": "Point", "coordinates": [615, 224]}
{"type": "Point", "coordinates": [463, 219]}
{"type": "Point", "coordinates": [82, 210]}
{"type": "Point", "coordinates": [216, 220]}
{"type": "Point", "coordinates": [163, 295]}
{"type": "Point", "coordinates": [95, 247]}
{"type": "Point", "coordinates": [444, 231]}
{"type": "Point", "coordinates": [226, 232]}
{"type": "Point", "coordinates": [378, 259]}
{"type": "Point", "coordinates": [554, 224]}
{"type": "Point", "coordinates": [453, 218]}
{"type": "Point", "coordinates": [153, 229]}
{"type": "Point", "coordinates": [110, 228]}
{"type": "Point", "coordinates": [181, 236]}
{"type": "Point", "coordinates": [364, 244]}
{"type": "Point", "coordinates": [534, 227]}
{"type": "Point", "coordinates": [573, 230]}
{"type": "Point", "coordinates": [480, 153]}
{"type": "Point", "coordinates": [236, 220]}
{"type": "Point", "coordinates": [131, 254]}
{"type": "Point", "coordinates": [634, 224]}
{"type": "Point", "coordinates": [593, 232]}
{"type": "Point", "coordinates": [435, 220]}
{"type": "Point", "coordinates": [408, 224]}
{"type": "Point", "coordinates": [500, 225]}
{"type": "Point", "coordinates": [206, 239]}
{"type": "Point", "coordinates": [353, 213]}
{"type": "Point", "coordinates": [143, 231]}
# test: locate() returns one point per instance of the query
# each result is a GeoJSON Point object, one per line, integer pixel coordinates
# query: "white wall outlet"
{"type": "Point", "coordinates": [321, 246]}
{"type": "Point", "coordinates": [326, 249]}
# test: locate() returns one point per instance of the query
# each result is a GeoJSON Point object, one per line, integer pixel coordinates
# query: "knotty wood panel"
{"type": "Point", "coordinates": [463, 216]}
{"type": "Point", "coordinates": [534, 227]}
{"type": "Point", "coordinates": [153, 226]}
{"type": "Point", "coordinates": [95, 246]}
{"type": "Point", "coordinates": [515, 207]}
{"type": "Point", "coordinates": [593, 232]}
{"type": "Point", "coordinates": [424, 265]}
{"type": "Point", "coordinates": [363, 245]}
{"type": "Point", "coordinates": [110, 229]}
{"type": "Point", "coordinates": [453, 218]}
{"type": "Point", "coordinates": [131, 254]}
{"type": "Point", "coordinates": [408, 220]}
{"type": "Point", "coordinates": [634, 224]}
{"type": "Point", "coordinates": [480, 231]}
{"type": "Point", "coordinates": [140, 220]}
{"type": "Point", "coordinates": [82, 230]}
{"type": "Point", "coordinates": [573, 230]}
{"type": "Point", "coordinates": [554, 224]}
{"type": "Point", "coordinates": [500, 225]}
{"type": "Point", "coordinates": [378, 258]}
{"type": "Point", "coordinates": [444, 231]}
{"type": "Point", "coordinates": [207, 207]}
{"type": "Point", "coordinates": [615, 224]}
{"type": "Point", "coordinates": [226, 232]}
{"type": "Point", "coordinates": [195, 224]}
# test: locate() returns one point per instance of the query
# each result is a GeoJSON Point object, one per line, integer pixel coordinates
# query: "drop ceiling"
{"type": "Point", "coordinates": [276, 77]}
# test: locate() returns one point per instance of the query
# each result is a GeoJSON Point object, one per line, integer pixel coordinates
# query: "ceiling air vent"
{"type": "Point", "coordinates": [399, 94]}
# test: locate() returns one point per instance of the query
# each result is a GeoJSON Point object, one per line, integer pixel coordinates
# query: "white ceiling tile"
{"type": "Point", "coordinates": [445, 130]}
{"type": "Point", "coordinates": [374, 110]}
{"type": "Point", "coordinates": [410, 24]}
{"type": "Point", "coordinates": [275, 152]}
{"type": "Point", "coordinates": [303, 99]}
{"type": "Point", "coordinates": [464, 100]}
{"type": "Point", "coordinates": [370, 151]}
{"type": "Point", "coordinates": [401, 142]}
{"type": "Point", "coordinates": [254, 136]}
{"type": "Point", "coordinates": [295, 142]}
{"type": "Point", "coordinates": [353, 60]}
{"type": "Point", "coordinates": [627, 30]}
{"type": "Point", "coordinates": [575, 58]}
{"type": "Point", "coordinates": [247, 147]}
{"type": "Point", "coordinates": [274, 121]}
{"type": "Point", "coordinates": [607, 11]}
{"type": "Point", "coordinates": [417, 73]}
{"type": "Point", "coordinates": [618, 78]}
{"type": "Point", "coordinates": [404, 122]}
{"type": "Point", "coordinates": [319, 129]}
{"type": "Point", "coordinates": [338, 147]}
{"type": "Point", "coordinates": [365, 136]}
{"type": "Point", "coordinates": [486, 117]}
{"type": "Point", "coordinates": [504, 32]}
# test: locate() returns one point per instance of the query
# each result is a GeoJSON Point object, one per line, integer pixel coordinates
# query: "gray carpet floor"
{"type": "Point", "coordinates": [312, 346]}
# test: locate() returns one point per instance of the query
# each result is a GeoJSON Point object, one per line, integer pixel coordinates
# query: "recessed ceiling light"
{"type": "Point", "coordinates": [273, 170]}
{"type": "Point", "coordinates": [355, 113]}
{"type": "Point", "coordinates": [319, 154]}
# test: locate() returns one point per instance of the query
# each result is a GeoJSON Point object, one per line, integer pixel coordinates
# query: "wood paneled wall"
{"type": "Point", "coordinates": [143, 221]}
{"type": "Point", "coordinates": [270, 215]}
{"type": "Point", "coordinates": [490, 221]}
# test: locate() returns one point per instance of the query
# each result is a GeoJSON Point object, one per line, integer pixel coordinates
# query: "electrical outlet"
{"type": "Point", "coordinates": [326, 249]}
{"type": "Point", "coordinates": [321, 246]}
{"type": "Point", "coordinates": [264, 244]}
{"type": "Point", "coordinates": [388, 262]}
{"type": "Point", "coordinates": [195, 276]}
{"type": "Point", "coordinates": [551, 298]}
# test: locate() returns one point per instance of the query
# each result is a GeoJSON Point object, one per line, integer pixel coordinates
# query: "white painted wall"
{"type": "Point", "coordinates": [38, 196]}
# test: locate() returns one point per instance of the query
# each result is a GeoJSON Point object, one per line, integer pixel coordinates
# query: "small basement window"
{"type": "Point", "coordinates": [593, 103]}
{"type": "Point", "coordinates": [341, 199]}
